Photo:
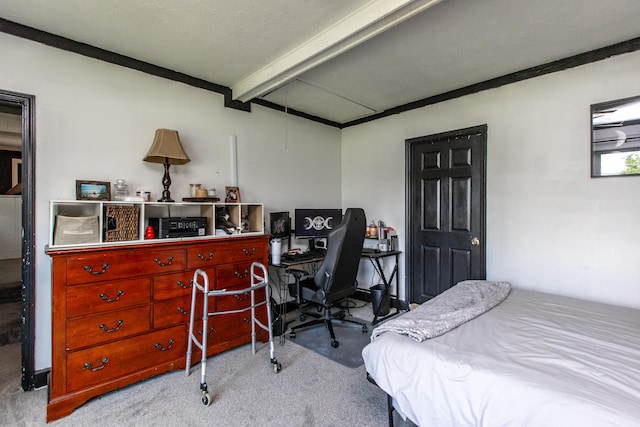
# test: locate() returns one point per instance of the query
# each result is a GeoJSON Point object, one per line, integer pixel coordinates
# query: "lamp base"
{"type": "Point", "coordinates": [166, 183]}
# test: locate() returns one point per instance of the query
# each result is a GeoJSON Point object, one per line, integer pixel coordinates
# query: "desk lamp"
{"type": "Point", "coordinates": [166, 149]}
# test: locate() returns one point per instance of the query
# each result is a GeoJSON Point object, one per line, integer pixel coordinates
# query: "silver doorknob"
{"type": "Point", "coordinates": [475, 241]}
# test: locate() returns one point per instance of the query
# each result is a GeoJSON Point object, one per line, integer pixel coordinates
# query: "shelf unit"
{"type": "Point", "coordinates": [254, 213]}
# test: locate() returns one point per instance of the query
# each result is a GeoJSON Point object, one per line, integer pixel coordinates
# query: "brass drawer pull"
{"type": "Point", "coordinates": [249, 252]}
{"type": "Point", "coordinates": [211, 331]}
{"type": "Point", "coordinates": [164, 264]}
{"type": "Point", "coordinates": [183, 311]}
{"type": "Point", "coordinates": [104, 327]}
{"type": "Point", "coordinates": [89, 269]}
{"type": "Point", "coordinates": [183, 286]}
{"type": "Point", "coordinates": [88, 366]}
{"type": "Point", "coordinates": [242, 297]}
{"type": "Point", "coordinates": [161, 348]}
{"type": "Point", "coordinates": [206, 259]}
{"type": "Point", "coordinates": [116, 298]}
{"type": "Point", "coordinates": [242, 275]}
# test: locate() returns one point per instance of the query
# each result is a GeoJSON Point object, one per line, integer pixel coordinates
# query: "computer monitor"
{"type": "Point", "coordinates": [315, 223]}
{"type": "Point", "coordinates": [280, 225]}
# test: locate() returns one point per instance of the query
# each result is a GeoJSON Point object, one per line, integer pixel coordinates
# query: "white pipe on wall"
{"type": "Point", "coordinates": [234, 160]}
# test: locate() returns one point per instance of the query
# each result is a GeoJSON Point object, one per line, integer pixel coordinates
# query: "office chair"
{"type": "Point", "coordinates": [336, 276]}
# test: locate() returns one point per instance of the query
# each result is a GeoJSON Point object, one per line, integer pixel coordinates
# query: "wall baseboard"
{"type": "Point", "coordinates": [41, 378]}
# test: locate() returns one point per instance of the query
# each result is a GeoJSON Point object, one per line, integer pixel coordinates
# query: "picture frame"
{"type": "Point", "coordinates": [16, 172]}
{"type": "Point", "coordinates": [93, 190]}
{"type": "Point", "coordinates": [232, 195]}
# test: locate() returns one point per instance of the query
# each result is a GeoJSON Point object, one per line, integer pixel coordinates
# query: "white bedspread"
{"type": "Point", "coordinates": [533, 360]}
{"type": "Point", "coordinates": [455, 306]}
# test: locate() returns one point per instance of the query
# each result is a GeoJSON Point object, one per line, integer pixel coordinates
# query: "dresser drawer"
{"type": "Point", "coordinates": [104, 327]}
{"type": "Point", "coordinates": [104, 296]}
{"type": "Point", "coordinates": [174, 285]}
{"type": "Point", "coordinates": [123, 264]}
{"type": "Point", "coordinates": [232, 275]}
{"type": "Point", "coordinates": [236, 301]}
{"type": "Point", "coordinates": [224, 252]}
{"type": "Point", "coordinates": [230, 327]}
{"type": "Point", "coordinates": [109, 361]}
{"type": "Point", "coordinates": [172, 311]}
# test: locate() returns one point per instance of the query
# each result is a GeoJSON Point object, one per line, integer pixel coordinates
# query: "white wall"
{"type": "Point", "coordinates": [550, 227]}
{"type": "Point", "coordinates": [96, 121]}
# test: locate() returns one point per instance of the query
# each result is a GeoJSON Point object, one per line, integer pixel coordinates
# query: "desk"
{"type": "Point", "coordinates": [311, 264]}
{"type": "Point", "coordinates": [285, 263]}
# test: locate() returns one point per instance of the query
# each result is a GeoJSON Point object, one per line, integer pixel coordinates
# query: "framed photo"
{"type": "Point", "coordinates": [16, 172]}
{"type": "Point", "coordinates": [93, 190]}
{"type": "Point", "coordinates": [233, 195]}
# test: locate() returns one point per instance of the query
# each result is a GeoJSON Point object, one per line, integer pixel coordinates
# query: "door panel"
{"type": "Point", "coordinates": [446, 221]}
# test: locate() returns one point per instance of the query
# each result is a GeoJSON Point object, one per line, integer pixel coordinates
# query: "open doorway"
{"type": "Point", "coordinates": [23, 105]}
{"type": "Point", "coordinates": [10, 224]}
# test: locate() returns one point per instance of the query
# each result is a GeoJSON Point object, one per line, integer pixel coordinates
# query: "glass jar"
{"type": "Point", "coordinates": [193, 188]}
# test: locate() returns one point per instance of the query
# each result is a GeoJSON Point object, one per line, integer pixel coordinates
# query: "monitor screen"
{"type": "Point", "coordinates": [280, 225]}
{"type": "Point", "coordinates": [316, 223]}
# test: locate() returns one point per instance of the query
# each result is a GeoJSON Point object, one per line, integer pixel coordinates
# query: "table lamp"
{"type": "Point", "coordinates": [166, 149]}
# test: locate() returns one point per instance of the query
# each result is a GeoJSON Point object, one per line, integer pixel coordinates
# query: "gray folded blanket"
{"type": "Point", "coordinates": [450, 309]}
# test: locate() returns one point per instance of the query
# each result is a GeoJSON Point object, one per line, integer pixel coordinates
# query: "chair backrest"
{"type": "Point", "coordinates": [337, 273]}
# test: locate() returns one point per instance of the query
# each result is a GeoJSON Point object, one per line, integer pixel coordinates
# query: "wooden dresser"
{"type": "Point", "coordinates": [120, 313]}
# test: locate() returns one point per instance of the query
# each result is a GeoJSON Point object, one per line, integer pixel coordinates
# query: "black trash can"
{"type": "Point", "coordinates": [380, 300]}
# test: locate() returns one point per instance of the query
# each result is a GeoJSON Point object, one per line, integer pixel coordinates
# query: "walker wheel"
{"type": "Point", "coordinates": [206, 398]}
{"type": "Point", "coordinates": [364, 328]}
{"type": "Point", "coordinates": [335, 344]}
{"type": "Point", "coordinates": [277, 367]}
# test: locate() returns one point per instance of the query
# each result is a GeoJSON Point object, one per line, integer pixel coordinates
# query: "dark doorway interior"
{"type": "Point", "coordinates": [10, 301]}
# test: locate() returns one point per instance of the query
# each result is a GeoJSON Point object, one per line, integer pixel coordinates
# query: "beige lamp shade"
{"type": "Point", "coordinates": [167, 146]}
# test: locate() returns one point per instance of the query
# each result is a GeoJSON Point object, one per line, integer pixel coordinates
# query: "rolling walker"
{"type": "Point", "coordinates": [259, 280]}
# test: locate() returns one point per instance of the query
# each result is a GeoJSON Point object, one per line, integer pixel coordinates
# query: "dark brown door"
{"type": "Point", "coordinates": [446, 210]}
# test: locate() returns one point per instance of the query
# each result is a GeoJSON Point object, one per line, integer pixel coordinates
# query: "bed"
{"type": "Point", "coordinates": [532, 359]}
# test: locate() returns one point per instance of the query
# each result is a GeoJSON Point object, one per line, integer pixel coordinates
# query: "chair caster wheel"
{"type": "Point", "coordinates": [335, 344]}
{"type": "Point", "coordinates": [302, 317]}
{"type": "Point", "coordinates": [341, 316]}
{"type": "Point", "coordinates": [364, 329]}
{"type": "Point", "coordinates": [292, 335]}
{"type": "Point", "coordinates": [206, 398]}
{"type": "Point", "coordinates": [277, 367]}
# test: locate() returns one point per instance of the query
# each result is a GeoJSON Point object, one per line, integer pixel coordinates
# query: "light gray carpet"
{"type": "Point", "coordinates": [311, 390]}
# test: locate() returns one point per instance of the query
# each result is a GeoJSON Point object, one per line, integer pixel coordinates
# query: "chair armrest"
{"type": "Point", "coordinates": [294, 288]}
{"type": "Point", "coordinates": [296, 272]}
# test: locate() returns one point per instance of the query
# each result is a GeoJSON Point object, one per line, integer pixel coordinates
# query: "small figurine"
{"type": "Point", "coordinates": [223, 223]}
{"type": "Point", "coordinates": [245, 226]}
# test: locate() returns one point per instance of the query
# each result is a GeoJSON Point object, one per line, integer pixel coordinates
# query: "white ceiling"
{"type": "Point", "coordinates": [340, 60]}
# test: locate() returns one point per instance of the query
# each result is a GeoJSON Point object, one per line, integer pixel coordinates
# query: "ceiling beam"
{"type": "Point", "coordinates": [370, 20]}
